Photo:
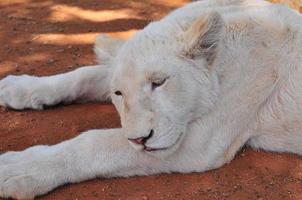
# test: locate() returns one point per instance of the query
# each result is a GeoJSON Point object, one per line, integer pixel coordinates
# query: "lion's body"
{"type": "Point", "coordinates": [192, 88]}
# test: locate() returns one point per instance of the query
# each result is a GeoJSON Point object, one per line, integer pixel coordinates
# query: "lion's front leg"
{"type": "Point", "coordinates": [90, 83]}
{"type": "Point", "coordinates": [96, 153]}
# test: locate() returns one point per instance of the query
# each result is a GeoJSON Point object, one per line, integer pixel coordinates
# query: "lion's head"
{"type": "Point", "coordinates": [163, 81]}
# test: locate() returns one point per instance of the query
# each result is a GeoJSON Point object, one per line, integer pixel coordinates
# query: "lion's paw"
{"type": "Point", "coordinates": [18, 182]}
{"type": "Point", "coordinates": [19, 92]}
{"type": "Point", "coordinates": [29, 173]}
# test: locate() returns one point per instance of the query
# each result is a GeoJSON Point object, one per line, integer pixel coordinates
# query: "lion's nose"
{"type": "Point", "coordinates": [141, 140]}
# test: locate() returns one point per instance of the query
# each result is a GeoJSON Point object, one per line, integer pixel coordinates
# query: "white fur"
{"type": "Point", "coordinates": [232, 71]}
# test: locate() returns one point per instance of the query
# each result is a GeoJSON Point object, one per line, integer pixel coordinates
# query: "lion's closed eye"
{"type": "Point", "coordinates": [155, 83]}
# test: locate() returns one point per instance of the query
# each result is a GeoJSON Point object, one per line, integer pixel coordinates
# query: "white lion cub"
{"type": "Point", "coordinates": [191, 90]}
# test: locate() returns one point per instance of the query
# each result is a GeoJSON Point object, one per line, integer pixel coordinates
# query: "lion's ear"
{"type": "Point", "coordinates": [203, 36]}
{"type": "Point", "coordinates": [106, 48]}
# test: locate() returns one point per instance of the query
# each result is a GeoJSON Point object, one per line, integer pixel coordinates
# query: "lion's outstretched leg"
{"type": "Point", "coordinates": [96, 153]}
{"type": "Point", "coordinates": [89, 83]}
{"type": "Point", "coordinates": [86, 84]}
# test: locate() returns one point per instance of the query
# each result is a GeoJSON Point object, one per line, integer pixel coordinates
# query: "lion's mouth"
{"type": "Point", "coordinates": [150, 149]}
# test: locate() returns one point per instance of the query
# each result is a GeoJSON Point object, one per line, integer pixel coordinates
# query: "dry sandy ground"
{"type": "Point", "coordinates": [48, 37]}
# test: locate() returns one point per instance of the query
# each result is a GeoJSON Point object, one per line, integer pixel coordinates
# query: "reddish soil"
{"type": "Point", "coordinates": [48, 37]}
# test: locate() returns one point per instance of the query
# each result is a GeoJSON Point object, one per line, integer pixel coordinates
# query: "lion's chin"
{"type": "Point", "coordinates": [166, 150]}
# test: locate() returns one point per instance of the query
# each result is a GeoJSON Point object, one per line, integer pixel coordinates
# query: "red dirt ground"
{"type": "Point", "coordinates": [48, 37]}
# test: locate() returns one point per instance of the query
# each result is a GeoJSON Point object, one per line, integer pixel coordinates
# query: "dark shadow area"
{"type": "Point", "coordinates": [21, 50]}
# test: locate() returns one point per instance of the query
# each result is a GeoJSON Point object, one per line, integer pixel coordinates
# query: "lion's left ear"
{"type": "Point", "coordinates": [202, 37]}
{"type": "Point", "coordinates": [106, 48]}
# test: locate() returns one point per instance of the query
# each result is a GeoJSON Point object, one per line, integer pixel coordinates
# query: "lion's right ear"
{"type": "Point", "coordinates": [203, 36]}
{"type": "Point", "coordinates": [106, 48]}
